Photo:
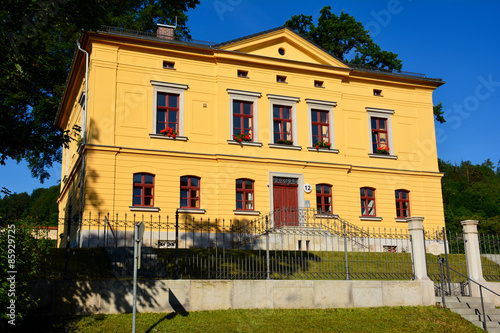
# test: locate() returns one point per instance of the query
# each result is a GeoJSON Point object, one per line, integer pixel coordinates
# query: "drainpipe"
{"type": "Point", "coordinates": [84, 141]}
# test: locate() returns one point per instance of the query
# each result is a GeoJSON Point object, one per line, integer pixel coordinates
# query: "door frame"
{"type": "Point", "coordinates": [300, 187]}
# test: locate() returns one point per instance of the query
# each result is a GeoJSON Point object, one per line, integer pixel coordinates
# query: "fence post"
{"type": "Point", "coordinates": [268, 273]}
{"type": "Point", "coordinates": [472, 255]}
{"type": "Point", "coordinates": [416, 229]}
{"type": "Point", "coordinates": [177, 244]}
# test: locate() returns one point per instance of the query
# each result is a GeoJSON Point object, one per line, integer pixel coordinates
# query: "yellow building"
{"type": "Point", "coordinates": [243, 128]}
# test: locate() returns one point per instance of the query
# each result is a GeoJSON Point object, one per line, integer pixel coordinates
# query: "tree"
{"type": "Point", "coordinates": [38, 43]}
{"type": "Point", "coordinates": [343, 36]}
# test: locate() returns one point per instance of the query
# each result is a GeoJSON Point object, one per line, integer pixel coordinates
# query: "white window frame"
{"type": "Point", "coordinates": [386, 114]}
{"type": "Point", "coordinates": [285, 101]}
{"type": "Point", "coordinates": [315, 104]}
{"type": "Point", "coordinates": [171, 88]}
{"type": "Point", "coordinates": [245, 96]}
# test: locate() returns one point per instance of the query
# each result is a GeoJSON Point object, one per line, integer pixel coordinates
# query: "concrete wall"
{"type": "Point", "coordinates": [116, 296]}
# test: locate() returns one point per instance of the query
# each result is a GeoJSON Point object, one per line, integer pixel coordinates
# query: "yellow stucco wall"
{"type": "Point", "coordinates": [121, 113]}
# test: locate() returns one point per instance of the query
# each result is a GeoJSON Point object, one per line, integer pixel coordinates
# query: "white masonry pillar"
{"type": "Point", "coordinates": [416, 229]}
{"type": "Point", "coordinates": [472, 255]}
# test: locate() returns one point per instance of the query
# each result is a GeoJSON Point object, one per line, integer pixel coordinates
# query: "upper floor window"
{"type": "Point", "coordinates": [377, 92]}
{"type": "Point", "coordinates": [244, 194]}
{"type": "Point", "coordinates": [367, 201]}
{"type": "Point", "coordinates": [167, 112]}
{"type": "Point", "coordinates": [324, 198]}
{"type": "Point", "coordinates": [168, 107]}
{"type": "Point", "coordinates": [244, 115]}
{"type": "Point", "coordinates": [318, 83]}
{"type": "Point", "coordinates": [402, 203]}
{"type": "Point", "coordinates": [320, 127]}
{"type": "Point", "coordinates": [190, 192]}
{"type": "Point", "coordinates": [143, 190]}
{"type": "Point", "coordinates": [379, 121]}
{"type": "Point", "coordinates": [242, 120]}
{"type": "Point", "coordinates": [282, 124]}
{"type": "Point", "coordinates": [169, 64]}
{"type": "Point", "coordinates": [242, 73]}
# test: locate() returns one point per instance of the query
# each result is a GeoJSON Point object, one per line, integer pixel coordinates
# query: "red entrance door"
{"type": "Point", "coordinates": [285, 202]}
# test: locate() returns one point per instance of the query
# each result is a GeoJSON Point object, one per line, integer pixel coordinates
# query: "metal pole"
{"type": "Point", "coordinates": [68, 242]}
{"type": "Point", "coordinates": [136, 237]}
{"type": "Point", "coordinates": [447, 262]}
{"type": "Point", "coordinates": [440, 261]}
{"type": "Point", "coordinates": [267, 249]}
{"type": "Point", "coordinates": [177, 245]}
{"type": "Point", "coordinates": [345, 252]}
{"type": "Point", "coordinates": [482, 308]}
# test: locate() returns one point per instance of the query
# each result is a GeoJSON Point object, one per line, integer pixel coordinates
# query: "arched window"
{"type": "Point", "coordinates": [244, 194]}
{"type": "Point", "coordinates": [368, 201]}
{"type": "Point", "coordinates": [402, 203]}
{"type": "Point", "coordinates": [190, 192]}
{"type": "Point", "coordinates": [324, 198]}
{"type": "Point", "coordinates": [143, 190]}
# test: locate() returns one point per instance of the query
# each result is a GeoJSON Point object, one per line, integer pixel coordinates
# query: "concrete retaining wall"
{"type": "Point", "coordinates": [115, 296]}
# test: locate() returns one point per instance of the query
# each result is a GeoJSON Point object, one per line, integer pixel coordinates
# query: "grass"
{"type": "Point", "coordinates": [384, 319]}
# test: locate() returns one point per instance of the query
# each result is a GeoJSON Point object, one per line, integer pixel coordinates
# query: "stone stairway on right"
{"type": "Point", "coordinates": [470, 309]}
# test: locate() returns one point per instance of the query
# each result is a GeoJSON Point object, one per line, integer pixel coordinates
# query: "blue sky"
{"type": "Point", "coordinates": [456, 41]}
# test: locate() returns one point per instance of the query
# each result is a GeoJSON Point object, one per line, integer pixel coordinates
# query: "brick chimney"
{"type": "Point", "coordinates": [165, 31]}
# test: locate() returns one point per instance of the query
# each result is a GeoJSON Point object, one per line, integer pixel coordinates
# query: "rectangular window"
{"type": "Point", "coordinates": [282, 124]}
{"type": "Point", "coordinates": [190, 192]}
{"type": "Point", "coordinates": [169, 64]}
{"type": "Point", "coordinates": [242, 120]}
{"type": "Point", "coordinates": [324, 198]}
{"type": "Point", "coordinates": [281, 78]}
{"type": "Point", "coordinates": [380, 140]}
{"type": "Point", "coordinates": [167, 112]}
{"type": "Point", "coordinates": [244, 194]}
{"type": "Point", "coordinates": [143, 190]}
{"type": "Point", "coordinates": [377, 92]}
{"type": "Point", "coordinates": [318, 84]}
{"type": "Point", "coordinates": [242, 73]}
{"type": "Point", "coordinates": [320, 127]}
{"type": "Point", "coordinates": [367, 201]}
{"type": "Point", "coordinates": [402, 203]}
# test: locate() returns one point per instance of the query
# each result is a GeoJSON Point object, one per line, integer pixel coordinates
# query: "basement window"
{"type": "Point", "coordinates": [169, 64]}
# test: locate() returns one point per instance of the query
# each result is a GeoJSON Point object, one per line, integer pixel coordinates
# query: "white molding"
{"type": "Point", "coordinates": [169, 85]}
{"type": "Point", "coordinates": [283, 98]}
{"type": "Point", "coordinates": [320, 102]}
{"type": "Point", "coordinates": [191, 210]}
{"type": "Point", "coordinates": [389, 157]}
{"type": "Point", "coordinates": [386, 112]}
{"type": "Point", "coordinates": [164, 137]}
{"type": "Point", "coordinates": [243, 92]}
{"type": "Point", "coordinates": [323, 150]}
{"type": "Point", "coordinates": [370, 218]}
{"type": "Point", "coordinates": [246, 212]}
{"type": "Point", "coordinates": [245, 143]}
{"type": "Point", "coordinates": [282, 146]}
{"type": "Point", "coordinates": [144, 209]}
{"type": "Point", "coordinates": [400, 219]}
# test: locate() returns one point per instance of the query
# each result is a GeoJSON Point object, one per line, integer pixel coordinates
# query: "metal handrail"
{"type": "Point", "coordinates": [442, 263]}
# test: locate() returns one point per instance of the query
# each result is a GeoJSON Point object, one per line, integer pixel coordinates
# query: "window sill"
{"type": "Point", "coordinates": [246, 212]}
{"type": "Point", "coordinates": [324, 150]}
{"type": "Point", "coordinates": [400, 219]}
{"type": "Point", "coordinates": [191, 210]}
{"type": "Point", "coordinates": [144, 209]}
{"type": "Point", "coordinates": [277, 145]}
{"type": "Point", "coordinates": [390, 157]}
{"type": "Point", "coordinates": [327, 216]}
{"type": "Point", "coordinates": [370, 218]}
{"type": "Point", "coordinates": [161, 136]}
{"type": "Point", "coordinates": [245, 143]}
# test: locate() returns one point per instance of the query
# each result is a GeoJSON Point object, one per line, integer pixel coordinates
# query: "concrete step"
{"type": "Point", "coordinates": [489, 324]}
{"type": "Point", "coordinates": [489, 317]}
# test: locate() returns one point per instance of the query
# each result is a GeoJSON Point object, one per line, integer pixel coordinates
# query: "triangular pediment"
{"type": "Point", "coordinates": [282, 43]}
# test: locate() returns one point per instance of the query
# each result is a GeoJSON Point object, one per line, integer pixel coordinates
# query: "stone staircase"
{"type": "Point", "coordinates": [470, 309]}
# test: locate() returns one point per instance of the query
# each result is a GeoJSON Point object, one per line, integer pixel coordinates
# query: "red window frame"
{"type": "Point", "coordinates": [245, 194]}
{"type": "Point", "coordinates": [324, 198]}
{"type": "Point", "coordinates": [377, 130]}
{"type": "Point", "coordinates": [281, 121]}
{"type": "Point", "coordinates": [167, 111]}
{"type": "Point", "coordinates": [143, 191]}
{"type": "Point", "coordinates": [366, 198]}
{"type": "Point", "coordinates": [239, 117]}
{"type": "Point", "coordinates": [402, 200]}
{"type": "Point", "coordinates": [318, 126]}
{"type": "Point", "coordinates": [190, 192]}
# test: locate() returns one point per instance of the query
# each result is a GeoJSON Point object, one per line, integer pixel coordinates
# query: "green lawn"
{"type": "Point", "coordinates": [384, 319]}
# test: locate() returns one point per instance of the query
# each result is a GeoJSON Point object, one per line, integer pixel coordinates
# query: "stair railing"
{"type": "Point", "coordinates": [443, 263]}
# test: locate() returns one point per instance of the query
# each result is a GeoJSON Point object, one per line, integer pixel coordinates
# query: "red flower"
{"type": "Point", "coordinates": [317, 146]}
{"type": "Point", "coordinates": [240, 140]}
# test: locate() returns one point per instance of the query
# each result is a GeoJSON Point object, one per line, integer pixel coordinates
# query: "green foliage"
{"type": "Point", "coordinates": [438, 112]}
{"type": "Point", "coordinates": [40, 205]}
{"type": "Point", "coordinates": [342, 36]}
{"type": "Point", "coordinates": [21, 244]}
{"type": "Point", "coordinates": [471, 192]}
{"type": "Point", "coordinates": [38, 42]}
